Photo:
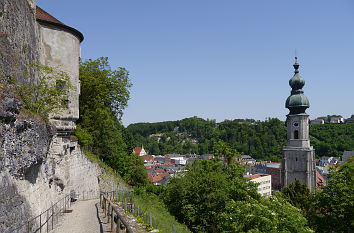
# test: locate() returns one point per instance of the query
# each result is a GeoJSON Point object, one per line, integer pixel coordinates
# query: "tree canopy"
{"type": "Point", "coordinates": [211, 197]}
{"type": "Point", "coordinates": [263, 140]}
{"type": "Point", "coordinates": [104, 95]}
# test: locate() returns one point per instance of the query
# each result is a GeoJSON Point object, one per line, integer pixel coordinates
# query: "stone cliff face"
{"type": "Point", "coordinates": [38, 165]}
{"type": "Point", "coordinates": [24, 140]}
{"type": "Point", "coordinates": [37, 168]}
{"type": "Point", "coordinates": [24, 143]}
{"type": "Point", "coordinates": [18, 38]}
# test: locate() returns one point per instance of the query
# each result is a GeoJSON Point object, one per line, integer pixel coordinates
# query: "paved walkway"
{"type": "Point", "coordinates": [85, 218]}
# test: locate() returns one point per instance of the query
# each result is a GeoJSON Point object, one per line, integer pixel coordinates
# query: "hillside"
{"type": "Point", "coordinates": [263, 140]}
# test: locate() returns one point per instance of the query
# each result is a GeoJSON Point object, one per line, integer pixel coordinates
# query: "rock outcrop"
{"type": "Point", "coordinates": [37, 168]}
{"type": "Point", "coordinates": [24, 141]}
{"type": "Point", "coordinates": [40, 162]}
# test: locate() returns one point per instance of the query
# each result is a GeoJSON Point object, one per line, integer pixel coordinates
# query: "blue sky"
{"type": "Point", "coordinates": [220, 59]}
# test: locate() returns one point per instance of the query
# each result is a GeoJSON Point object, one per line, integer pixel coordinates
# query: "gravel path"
{"type": "Point", "coordinates": [84, 219]}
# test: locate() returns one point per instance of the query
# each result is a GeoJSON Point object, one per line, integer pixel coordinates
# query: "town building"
{"type": "Point", "coordinates": [350, 120]}
{"type": "Point", "coordinates": [320, 180]}
{"type": "Point", "coordinates": [140, 151]}
{"type": "Point", "coordinates": [325, 161]}
{"type": "Point", "coordinates": [247, 159]}
{"type": "Point", "coordinates": [274, 170]}
{"type": "Point", "coordinates": [317, 121]}
{"type": "Point", "coordinates": [298, 154]}
{"type": "Point", "coordinates": [159, 159]}
{"type": "Point", "coordinates": [149, 160]}
{"type": "Point", "coordinates": [336, 120]}
{"type": "Point", "coordinates": [323, 171]}
{"type": "Point", "coordinates": [265, 183]}
{"type": "Point", "coordinates": [178, 160]}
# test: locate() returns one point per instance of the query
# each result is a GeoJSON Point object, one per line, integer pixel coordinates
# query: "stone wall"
{"type": "Point", "coordinates": [38, 164]}
{"type": "Point", "coordinates": [37, 168]}
{"type": "Point", "coordinates": [61, 49]}
{"type": "Point", "coordinates": [18, 37]}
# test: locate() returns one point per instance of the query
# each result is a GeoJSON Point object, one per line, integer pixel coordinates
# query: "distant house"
{"type": "Point", "coordinates": [207, 157]}
{"type": "Point", "coordinates": [336, 120]}
{"type": "Point", "coordinates": [317, 121]}
{"type": "Point", "coordinates": [265, 183]}
{"type": "Point", "coordinates": [325, 160]}
{"type": "Point", "coordinates": [193, 156]}
{"type": "Point", "coordinates": [178, 160]}
{"type": "Point", "coordinates": [139, 151]}
{"type": "Point", "coordinates": [320, 180]}
{"type": "Point", "coordinates": [160, 159]}
{"type": "Point", "coordinates": [247, 159]}
{"type": "Point", "coordinates": [273, 169]}
{"type": "Point", "coordinates": [350, 120]}
{"type": "Point", "coordinates": [148, 160]}
{"type": "Point", "coordinates": [158, 176]}
{"type": "Point", "coordinates": [347, 155]}
{"type": "Point", "coordinates": [324, 172]}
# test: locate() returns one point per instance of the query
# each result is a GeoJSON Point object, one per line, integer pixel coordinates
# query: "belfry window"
{"type": "Point", "coordinates": [296, 134]}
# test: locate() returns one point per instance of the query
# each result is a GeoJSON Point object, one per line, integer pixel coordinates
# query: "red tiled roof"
{"type": "Point", "coordinates": [255, 176]}
{"type": "Point", "coordinates": [320, 181]}
{"type": "Point", "coordinates": [137, 150]}
{"type": "Point", "coordinates": [164, 174]}
{"type": "Point", "coordinates": [160, 170]}
{"type": "Point", "coordinates": [45, 18]}
{"type": "Point", "coordinates": [159, 177]}
{"type": "Point", "coordinates": [148, 158]}
{"type": "Point", "coordinates": [43, 15]}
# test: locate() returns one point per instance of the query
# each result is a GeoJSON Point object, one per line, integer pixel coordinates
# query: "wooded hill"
{"type": "Point", "coordinates": [263, 140]}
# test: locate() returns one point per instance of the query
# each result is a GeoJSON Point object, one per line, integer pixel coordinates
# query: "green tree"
{"type": "Point", "coordinates": [104, 95]}
{"type": "Point", "coordinates": [264, 215]}
{"type": "Point", "coordinates": [335, 202]}
{"type": "Point", "coordinates": [137, 174]}
{"type": "Point", "coordinates": [102, 86]}
{"type": "Point", "coordinates": [299, 195]}
{"type": "Point", "coordinates": [222, 149]}
{"type": "Point", "coordinates": [211, 197]}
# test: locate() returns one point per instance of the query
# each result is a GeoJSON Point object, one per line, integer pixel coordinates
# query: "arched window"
{"type": "Point", "coordinates": [296, 134]}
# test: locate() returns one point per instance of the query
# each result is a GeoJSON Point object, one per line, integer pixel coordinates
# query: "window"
{"type": "Point", "coordinates": [296, 134]}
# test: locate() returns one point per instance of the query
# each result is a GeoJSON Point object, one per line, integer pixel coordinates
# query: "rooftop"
{"type": "Point", "coordinates": [47, 19]}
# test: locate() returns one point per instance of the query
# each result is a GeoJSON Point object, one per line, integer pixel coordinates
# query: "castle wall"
{"type": "Point", "coordinates": [38, 165]}
{"type": "Point", "coordinates": [37, 168]}
{"type": "Point", "coordinates": [61, 49]}
{"type": "Point", "coordinates": [18, 38]}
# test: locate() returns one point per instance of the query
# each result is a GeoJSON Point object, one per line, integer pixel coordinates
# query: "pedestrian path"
{"type": "Point", "coordinates": [84, 218]}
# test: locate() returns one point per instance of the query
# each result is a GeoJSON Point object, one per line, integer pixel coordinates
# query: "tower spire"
{"type": "Point", "coordinates": [297, 101]}
{"type": "Point", "coordinates": [296, 66]}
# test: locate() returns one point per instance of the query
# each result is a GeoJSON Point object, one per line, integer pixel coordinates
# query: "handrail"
{"type": "Point", "coordinates": [109, 212]}
{"type": "Point", "coordinates": [49, 214]}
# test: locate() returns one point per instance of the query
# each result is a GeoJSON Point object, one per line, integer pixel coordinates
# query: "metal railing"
{"type": "Point", "coordinates": [125, 199]}
{"type": "Point", "coordinates": [45, 221]}
{"type": "Point", "coordinates": [111, 211]}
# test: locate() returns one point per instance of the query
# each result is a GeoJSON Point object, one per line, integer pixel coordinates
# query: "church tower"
{"type": "Point", "coordinates": [298, 155]}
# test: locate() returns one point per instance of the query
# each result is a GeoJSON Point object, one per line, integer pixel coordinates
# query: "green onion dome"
{"type": "Point", "coordinates": [297, 102]}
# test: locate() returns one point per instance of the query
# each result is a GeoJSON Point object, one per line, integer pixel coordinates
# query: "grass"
{"type": "Point", "coordinates": [161, 218]}
{"type": "Point", "coordinates": [147, 203]}
{"type": "Point", "coordinates": [94, 158]}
